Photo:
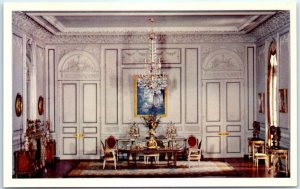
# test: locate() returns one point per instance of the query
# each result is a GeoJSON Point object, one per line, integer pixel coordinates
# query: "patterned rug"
{"type": "Point", "coordinates": [205, 169]}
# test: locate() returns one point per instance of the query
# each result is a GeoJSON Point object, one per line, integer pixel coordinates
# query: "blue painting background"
{"type": "Point", "coordinates": [146, 105]}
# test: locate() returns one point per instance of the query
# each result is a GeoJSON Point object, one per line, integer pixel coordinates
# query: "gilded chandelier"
{"type": "Point", "coordinates": [154, 80]}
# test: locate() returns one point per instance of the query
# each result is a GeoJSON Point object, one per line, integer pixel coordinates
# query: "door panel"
{"type": "Point", "coordinates": [213, 101]}
{"type": "Point", "coordinates": [213, 145]}
{"type": "Point", "coordinates": [223, 118]}
{"type": "Point", "coordinates": [233, 144]}
{"type": "Point", "coordinates": [89, 120]}
{"type": "Point", "coordinates": [233, 101]}
{"type": "Point", "coordinates": [69, 146]}
{"type": "Point", "coordinates": [80, 119]}
{"type": "Point", "coordinates": [69, 102]}
{"type": "Point", "coordinates": [89, 103]}
{"type": "Point", "coordinates": [68, 119]}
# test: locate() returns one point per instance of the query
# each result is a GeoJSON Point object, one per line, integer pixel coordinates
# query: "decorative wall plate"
{"type": "Point", "coordinates": [19, 105]}
{"type": "Point", "coordinates": [41, 105]}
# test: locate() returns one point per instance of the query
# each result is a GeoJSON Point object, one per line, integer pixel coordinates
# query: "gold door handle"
{"type": "Point", "coordinates": [78, 135]}
{"type": "Point", "coordinates": [223, 133]}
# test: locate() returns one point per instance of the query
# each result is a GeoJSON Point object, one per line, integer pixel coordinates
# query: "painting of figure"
{"type": "Point", "coordinates": [283, 104]}
{"type": "Point", "coordinates": [147, 103]}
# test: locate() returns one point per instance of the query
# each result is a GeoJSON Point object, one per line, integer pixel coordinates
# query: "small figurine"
{"type": "Point", "coordinates": [133, 131]}
{"type": "Point", "coordinates": [171, 131]}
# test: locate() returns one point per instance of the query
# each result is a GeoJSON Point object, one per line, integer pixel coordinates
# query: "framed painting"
{"type": "Point", "coordinates": [283, 103]}
{"type": "Point", "coordinates": [261, 102]}
{"type": "Point", "coordinates": [148, 104]}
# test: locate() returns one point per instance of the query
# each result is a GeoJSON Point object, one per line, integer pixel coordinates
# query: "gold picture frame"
{"type": "Point", "coordinates": [19, 105]}
{"type": "Point", "coordinates": [283, 101]}
{"type": "Point", "coordinates": [142, 102]}
{"type": "Point", "coordinates": [41, 105]}
{"type": "Point", "coordinates": [261, 102]}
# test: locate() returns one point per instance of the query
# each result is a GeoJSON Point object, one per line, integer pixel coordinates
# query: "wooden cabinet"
{"type": "Point", "coordinates": [24, 162]}
{"type": "Point", "coordinates": [50, 151]}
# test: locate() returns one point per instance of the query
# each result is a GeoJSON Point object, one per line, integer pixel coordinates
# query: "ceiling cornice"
{"type": "Point", "coordinates": [278, 21]}
{"type": "Point", "coordinates": [27, 24]}
{"type": "Point", "coordinates": [23, 22]}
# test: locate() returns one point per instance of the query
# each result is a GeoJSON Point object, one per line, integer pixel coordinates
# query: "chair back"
{"type": "Point", "coordinates": [102, 146]}
{"type": "Point", "coordinates": [199, 145]}
{"type": "Point", "coordinates": [111, 142]}
{"type": "Point", "coordinates": [192, 141]}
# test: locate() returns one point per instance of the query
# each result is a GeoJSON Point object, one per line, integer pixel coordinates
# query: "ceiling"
{"type": "Point", "coordinates": [109, 22]}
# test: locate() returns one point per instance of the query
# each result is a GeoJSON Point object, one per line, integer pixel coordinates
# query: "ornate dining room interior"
{"type": "Point", "coordinates": [173, 93]}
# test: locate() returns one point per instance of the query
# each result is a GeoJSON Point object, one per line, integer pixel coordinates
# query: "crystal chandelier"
{"type": "Point", "coordinates": [153, 81]}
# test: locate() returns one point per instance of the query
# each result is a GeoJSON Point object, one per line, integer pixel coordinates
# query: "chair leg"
{"type": "Point", "coordinates": [256, 162]}
{"type": "Point", "coordinates": [189, 163]}
{"type": "Point", "coordinates": [267, 162]}
{"type": "Point", "coordinates": [115, 164]}
{"type": "Point", "coordinates": [104, 164]}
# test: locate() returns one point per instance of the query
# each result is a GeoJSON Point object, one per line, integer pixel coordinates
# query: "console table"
{"type": "Point", "coordinates": [134, 152]}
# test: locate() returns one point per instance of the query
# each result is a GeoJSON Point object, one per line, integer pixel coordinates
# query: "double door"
{"type": "Point", "coordinates": [79, 119]}
{"type": "Point", "coordinates": [223, 118]}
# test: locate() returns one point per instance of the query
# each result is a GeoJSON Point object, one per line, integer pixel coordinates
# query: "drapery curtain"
{"type": "Point", "coordinates": [272, 88]}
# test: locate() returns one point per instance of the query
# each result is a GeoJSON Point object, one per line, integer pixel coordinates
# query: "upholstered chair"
{"type": "Point", "coordinates": [109, 154]}
{"type": "Point", "coordinates": [194, 149]}
{"type": "Point", "coordinates": [111, 143]}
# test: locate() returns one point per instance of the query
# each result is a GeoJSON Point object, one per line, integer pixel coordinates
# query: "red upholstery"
{"type": "Point", "coordinates": [192, 141]}
{"type": "Point", "coordinates": [111, 142]}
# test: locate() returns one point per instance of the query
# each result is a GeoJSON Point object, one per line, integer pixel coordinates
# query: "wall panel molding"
{"type": "Point", "coordinates": [111, 86]}
{"type": "Point", "coordinates": [191, 85]}
{"type": "Point", "coordinates": [251, 86]}
{"type": "Point", "coordinates": [137, 56]}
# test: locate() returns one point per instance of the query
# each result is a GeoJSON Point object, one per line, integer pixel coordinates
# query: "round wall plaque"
{"type": "Point", "coordinates": [41, 105]}
{"type": "Point", "coordinates": [19, 105]}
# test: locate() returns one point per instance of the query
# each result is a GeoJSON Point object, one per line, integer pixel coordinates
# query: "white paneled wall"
{"type": "Point", "coordinates": [184, 64]}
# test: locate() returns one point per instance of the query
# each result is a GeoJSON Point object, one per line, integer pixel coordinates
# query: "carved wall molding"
{"type": "Point", "coordinates": [207, 49]}
{"type": "Point", "coordinates": [92, 49]}
{"type": "Point", "coordinates": [278, 21]}
{"type": "Point", "coordinates": [78, 65]}
{"type": "Point", "coordinates": [137, 39]}
{"type": "Point", "coordinates": [222, 63]}
{"type": "Point", "coordinates": [17, 42]}
{"type": "Point", "coordinates": [261, 54]}
{"type": "Point", "coordinates": [40, 54]}
{"type": "Point", "coordinates": [23, 22]}
{"type": "Point", "coordinates": [285, 40]}
{"type": "Point", "coordinates": [137, 56]}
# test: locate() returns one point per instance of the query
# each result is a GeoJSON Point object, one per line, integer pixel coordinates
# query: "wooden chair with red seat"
{"type": "Point", "coordinates": [194, 149]}
{"type": "Point", "coordinates": [110, 151]}
{"type": "Point", "coordinates": [111, 143]}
